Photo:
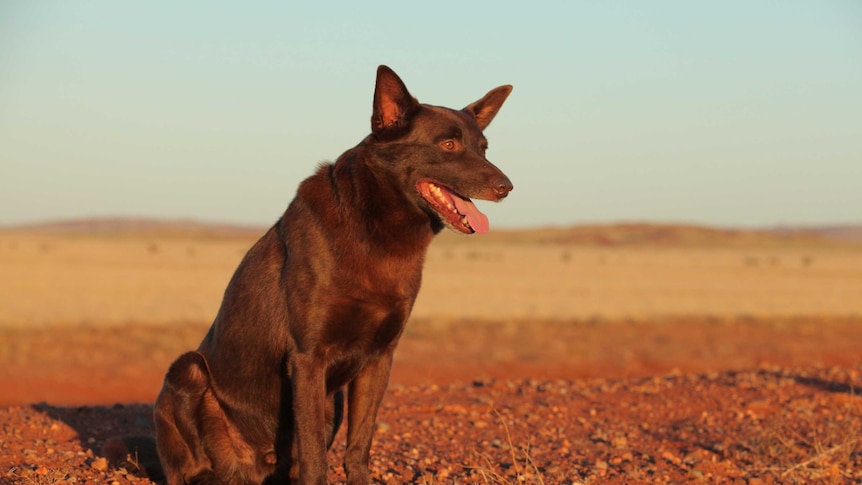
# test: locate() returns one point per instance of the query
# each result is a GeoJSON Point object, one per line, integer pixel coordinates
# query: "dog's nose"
{"type": "Point", "coordinates": [502, 186]}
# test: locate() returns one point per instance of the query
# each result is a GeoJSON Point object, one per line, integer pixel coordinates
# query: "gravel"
{"type": "Point", "coordinates": [758, 426]}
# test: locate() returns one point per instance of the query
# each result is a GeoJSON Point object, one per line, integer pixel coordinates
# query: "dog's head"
{"type": "Point", "coordinates": [438, 154]}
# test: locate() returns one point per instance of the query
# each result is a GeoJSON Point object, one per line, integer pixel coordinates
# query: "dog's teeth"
{"type": "Point", "coordinates": [437, 192]}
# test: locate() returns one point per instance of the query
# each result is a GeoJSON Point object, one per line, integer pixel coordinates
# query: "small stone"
{"type": "Point", "coordinates": [99, 464]}
{"type": "Point", "coordinates": [671, 458]}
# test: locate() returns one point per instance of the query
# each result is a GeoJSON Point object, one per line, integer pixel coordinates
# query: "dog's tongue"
{"type": "Point", "coordinates": [477, 220]}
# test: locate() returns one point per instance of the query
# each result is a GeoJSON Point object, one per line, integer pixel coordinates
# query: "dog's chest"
{"type": "Point", "coordinates": [367, 322]}
{"type": "Point", "coordinates": [360, 331]}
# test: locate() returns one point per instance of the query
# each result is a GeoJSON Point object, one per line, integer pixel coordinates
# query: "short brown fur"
{"type": "Point", "coordinates": [319, 302]}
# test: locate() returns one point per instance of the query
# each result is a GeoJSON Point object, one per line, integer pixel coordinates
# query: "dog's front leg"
{"type": "Point", "coordinates": [308, 377]}
{"type": "Point", "coordinates": [364, 395]}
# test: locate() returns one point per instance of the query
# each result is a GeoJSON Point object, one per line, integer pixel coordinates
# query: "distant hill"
{"type": "Point", "coordinates": [656, 234]}
{"type": "Point", "coordinates": [623, 234]}
{"type": "Point", "coordinates": [120, 225]}
{"type": "Point", "coordinates": [848, 233]}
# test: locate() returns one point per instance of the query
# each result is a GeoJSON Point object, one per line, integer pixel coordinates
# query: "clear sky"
{"type": "Point", "coordinates": [723, 113]}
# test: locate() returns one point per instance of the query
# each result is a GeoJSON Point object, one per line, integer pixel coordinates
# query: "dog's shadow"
{"type": "Point", "coordinates": [122, 433]}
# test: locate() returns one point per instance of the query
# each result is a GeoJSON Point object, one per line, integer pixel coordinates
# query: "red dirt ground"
{"type": "Point", "coordinates": [677, 400]}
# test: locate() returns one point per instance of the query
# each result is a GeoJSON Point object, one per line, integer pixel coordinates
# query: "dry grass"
{"type": "Point", "coordinates": [55, 279]}
{"type": "Point", "coordinates": [801, 452]}
{"type": "Point", "coordinates": [111, 279]}
{"type": "Point", "coordinates": [546, 281]}
{"type": "Point", "coordinates": [525, 471]}
{"type": "Point", "coordinates": [38, 476]}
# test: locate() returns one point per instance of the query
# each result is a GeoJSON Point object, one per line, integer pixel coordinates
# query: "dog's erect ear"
{"type": "Point", "coordinates": [393, 104]}
{"type": "Point", "coordinates": [486, 108]}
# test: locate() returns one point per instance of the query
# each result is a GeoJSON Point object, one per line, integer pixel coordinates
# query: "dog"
{"type": "Point", "coordinates": [315, 309]}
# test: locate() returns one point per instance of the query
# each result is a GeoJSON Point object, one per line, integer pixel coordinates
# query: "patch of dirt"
{"type": "Point", "coordinates": [685, 400]}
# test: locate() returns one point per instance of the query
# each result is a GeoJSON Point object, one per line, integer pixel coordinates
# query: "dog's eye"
{"type": "Point", "coordinates": [448, 145]}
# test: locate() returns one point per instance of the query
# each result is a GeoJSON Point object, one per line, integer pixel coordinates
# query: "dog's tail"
{"type": "Point", "coordinates": [137, 454]}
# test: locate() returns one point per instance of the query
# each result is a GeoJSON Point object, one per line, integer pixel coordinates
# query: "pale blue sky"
{"type": "Point", "coordinates": [723, 113]}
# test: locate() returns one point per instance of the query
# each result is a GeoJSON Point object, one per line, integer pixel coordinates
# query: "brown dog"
{"type": "Point", "coordinates": [319, 302]}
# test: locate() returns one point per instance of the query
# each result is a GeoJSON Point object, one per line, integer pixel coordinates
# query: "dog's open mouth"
{"type": "Point", "coordinates": [456, 211]}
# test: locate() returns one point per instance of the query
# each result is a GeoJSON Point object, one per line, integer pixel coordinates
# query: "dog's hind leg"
{"type": "Point", "coordinates": [178, 437]}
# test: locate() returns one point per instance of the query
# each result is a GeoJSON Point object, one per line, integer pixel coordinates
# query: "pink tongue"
{"type": "Point", "coordinates": [477, 220]}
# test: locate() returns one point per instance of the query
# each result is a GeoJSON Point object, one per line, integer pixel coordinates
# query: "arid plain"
{"type": "Point", "coordinates": [92, 314]}
{"type": "Point", "coordinates": [175, 275]}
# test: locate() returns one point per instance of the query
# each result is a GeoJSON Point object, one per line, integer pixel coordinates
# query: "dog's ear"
{"type": "Point", "coordinates": [393, 104]}
{"type": "Point", "coordinates": [486, 108]}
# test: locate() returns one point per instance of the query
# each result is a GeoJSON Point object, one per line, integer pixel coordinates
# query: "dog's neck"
{"type": "Point", "coordinates": [391, 222]}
